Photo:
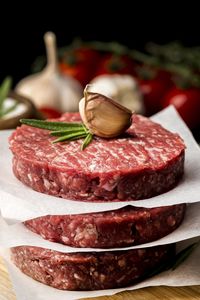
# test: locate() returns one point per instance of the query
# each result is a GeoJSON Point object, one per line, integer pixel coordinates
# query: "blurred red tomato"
{"type": "Point", "coordinates": [153, 90]}
{"type": "Point", "coordinates": [80, 63]}
{"type": "Point", "coordinates": [187, 103]}
{"type": "Point", "coordinates": [49, 113]}
{"type": "Point", "coordinates": [112, 63]}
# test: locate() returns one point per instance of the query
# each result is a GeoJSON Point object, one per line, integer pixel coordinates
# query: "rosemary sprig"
{"type": "Point", "coordinates": [167, 61]}
{"type": "Point", "coordinates": [174, 262]}
{"type": "Point", "coordinates": [69, 136]}
{"type": "Point", "coordinates": [86, 141]}
{"type": "Point", "coordinates": [54, 126]}
{"type": "Point", "coordinates": [183, 255]}
{"type": "Point", "coordinates": [4, 90]}
{"type": "Point", "coordinates": [64, 131]}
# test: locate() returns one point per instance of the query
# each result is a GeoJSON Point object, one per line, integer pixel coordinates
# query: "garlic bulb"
{"type": "Point", "coordinates": [103, 116]}
{"type": "Point", "coordinates": [49, 88]}
{"type": "Point", "coordinates": [122, 88]}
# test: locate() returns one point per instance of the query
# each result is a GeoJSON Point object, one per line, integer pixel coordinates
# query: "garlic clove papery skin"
{"type": "Point", "coordinates": [122, 88]}
{"type": "Point", "coordinates": [103, 116]}
{"type": "Point", "coordinates": [49, 88]}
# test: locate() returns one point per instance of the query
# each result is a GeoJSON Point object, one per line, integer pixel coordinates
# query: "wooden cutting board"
{"type": "Point", "coordinates": [151, 293]}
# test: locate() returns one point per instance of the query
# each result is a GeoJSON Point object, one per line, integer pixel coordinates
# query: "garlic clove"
{"type": "Point", "coordinates": [103, 116]}
{"type": "Point", "coordinates": [49, 88]}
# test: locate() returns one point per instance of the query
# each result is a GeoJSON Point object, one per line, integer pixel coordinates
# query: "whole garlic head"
{"type": "Point", "coordinates": [122, 88]}
{"type": "Point", "coordinates": [50, 88]}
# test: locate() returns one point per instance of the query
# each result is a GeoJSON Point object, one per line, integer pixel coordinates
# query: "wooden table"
{"type": "Point", "coordinates": [154, 293]}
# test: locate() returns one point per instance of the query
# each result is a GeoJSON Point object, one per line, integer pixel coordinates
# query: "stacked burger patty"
{"type": "Point", "coordinates": [148, 160]}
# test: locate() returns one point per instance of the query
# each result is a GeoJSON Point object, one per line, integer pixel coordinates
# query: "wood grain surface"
{"type": "Point", "coordinates": [151, 293]}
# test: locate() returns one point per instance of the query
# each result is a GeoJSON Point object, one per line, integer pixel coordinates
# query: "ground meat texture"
{"type": "Point", "coordinates": [146, 161]}
{"type": "Point", "coordinates": [89, 271]}
{"type": "Point", "coordinates": [120, 228]}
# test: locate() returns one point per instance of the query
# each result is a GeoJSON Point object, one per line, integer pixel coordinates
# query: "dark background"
{"type": "Point", "coordinates": [21, 34]}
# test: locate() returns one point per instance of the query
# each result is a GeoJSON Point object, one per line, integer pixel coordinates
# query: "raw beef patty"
{"type": "Point", "coordinates": [118, 228]}
{"type": "Point", "coordinates": [89, 271]}
{"type": "Point", "coordinates": [146, 161]}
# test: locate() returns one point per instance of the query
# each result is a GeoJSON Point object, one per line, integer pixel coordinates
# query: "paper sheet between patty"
{"type": "Point", "coordinates": [185, 275]}
{"type": "Point", "coordinates": [29, 204]}
{"type": "Point", "coordinates": [18, 235]}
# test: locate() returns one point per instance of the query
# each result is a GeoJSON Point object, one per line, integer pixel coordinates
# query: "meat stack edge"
{"type": "Point", "coordinates": [146, 162]}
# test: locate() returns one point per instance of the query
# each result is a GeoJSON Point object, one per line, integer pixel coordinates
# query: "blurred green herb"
{"type": "Point", "coordinates": [179, 60]}
{"type": "Point", "coordinates": [176, 53]}
{"type": "Point", "coordinates": [4, 91]}
{"type": "Point", "coordinates": [174, 262]}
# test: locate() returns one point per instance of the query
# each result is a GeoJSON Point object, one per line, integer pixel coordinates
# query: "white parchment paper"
{"type": "Point", "coordinates": [186, 274]}
{"type": "Point", "coordinates": [21, 203]}
{"type": "Point", "coordinates": [18, 235]}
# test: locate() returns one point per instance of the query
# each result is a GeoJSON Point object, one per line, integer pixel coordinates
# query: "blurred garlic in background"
{"type": "Point", "coordinates": [49, 88]}
{"type": "Point", "coordinates": [122, 88]}
{"type": "Point", "coordinates": [13, 107]}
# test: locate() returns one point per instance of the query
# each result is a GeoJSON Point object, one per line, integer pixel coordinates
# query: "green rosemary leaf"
{"type": "Point", "coordinates": [67, 131]}
{"type": "Point", "coordinates": [87, 141]}
{"type": "Point", "coordinates": [4, 90]}
{"type": "Point", "coordinates": [70, 136]}
{"type": "Point", "coordinates": [8, 110]}
{"type": "Point", "coordinates": [77, 137]}
{"type": "Point", "coordinates": [183, 255]}
{"type": "Point", "coordinates": [54, 126]}
{"type": "Point", "coordinates": [175, 262]}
